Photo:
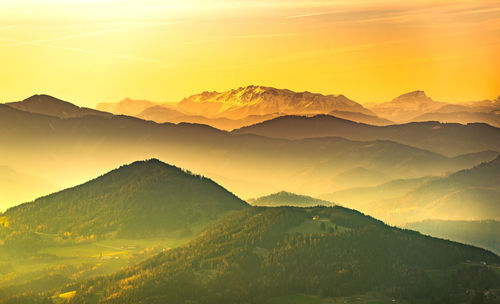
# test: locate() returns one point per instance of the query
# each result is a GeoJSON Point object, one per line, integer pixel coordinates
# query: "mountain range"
{"type": "Point", "coordinates": [248, 105]}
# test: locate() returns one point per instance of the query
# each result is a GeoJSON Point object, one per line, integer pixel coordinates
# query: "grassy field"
{"type": "Point", "coordinates": [78, 261]}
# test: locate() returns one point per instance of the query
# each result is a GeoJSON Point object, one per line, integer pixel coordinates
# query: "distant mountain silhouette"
{"type": "Point", "coordinates": [48, 105]}
{"type": "Point", "coordinates": [406, 106]}
{"type": "Point", "coordinates": [417, 106]}
{"type": "Point", "coordinates": [127, 106]}
{"type": "Point", "coordinates": [284, 198]}
{"type": "Point", "coordinates": [261, 253]}
{"type": "Point", "coordinates": [448, 139]}
{"type": "Point", "coordinates": [143, 199]}
{"type": "Point", "coordinates": [162, 114]}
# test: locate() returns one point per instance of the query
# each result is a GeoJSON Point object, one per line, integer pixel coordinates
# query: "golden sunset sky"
{"type": "Point", "coordinates": [371, 51]}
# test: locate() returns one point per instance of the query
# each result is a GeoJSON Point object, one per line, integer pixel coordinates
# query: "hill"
{"type": "Point", "coordinates": [261, 253]}
{"type": "Point", "coordinates": [284, 198]}
{"type": "Point", "coordinates": [485, 234]}
{"type": "Point", "coordinates": [48, 105]}
{"type": "Point", "coordinates": [146, 198]}
{"type": "Point", "coordinates": [449, 139]}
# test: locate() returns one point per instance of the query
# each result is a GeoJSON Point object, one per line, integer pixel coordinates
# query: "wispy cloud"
{"type": "Point", "coordinates": [88, 34]}
{"type": "Point", "coordinates": [121, 56]}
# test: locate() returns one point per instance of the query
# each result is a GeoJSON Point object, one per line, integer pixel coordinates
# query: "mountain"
{"type": "Point", "coordinates": [284, 198]}
{"type": "Point", "coordinates": [485, 234]}
{"type": "Point", "coordinates": [16, 187]}
{"type": "Point", "coordinates": [406, 106]}
{"type": "Point", "coordinates": [127, 106]}
{"type": "Point", "coordinates": [262, 253]}
{"type": "Point", "coordinates": [259, 100]}
{"type": "Point", "coordinates": [48, 105]}
{"type": "Point", "coordinates": [448, 139]}
{"type": "Point", "coordinates": [145, 198]}
{"type": "Point", "coordinates": [417, 106]}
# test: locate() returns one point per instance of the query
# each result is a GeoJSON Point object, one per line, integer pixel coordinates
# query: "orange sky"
{"type": "Point", "coordinates": [89, 51]}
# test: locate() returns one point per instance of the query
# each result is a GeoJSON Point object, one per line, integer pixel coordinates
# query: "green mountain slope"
{"type": "Point", "coordinates": [261, 253]}
{"type": "Point", "coordinates": [145, 198]}
{"type": "Point", "coordinates": [284, 198]}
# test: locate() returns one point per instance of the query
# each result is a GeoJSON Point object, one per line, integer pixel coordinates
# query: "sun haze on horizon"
{"type": "Point", "coordinates": [371, 51]}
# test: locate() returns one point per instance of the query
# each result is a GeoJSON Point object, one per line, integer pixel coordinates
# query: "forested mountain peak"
{"type": "Point", "coordinates": [143, 198]}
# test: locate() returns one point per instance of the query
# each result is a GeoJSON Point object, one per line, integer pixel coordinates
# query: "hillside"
{"type": "Point", "coordinates": [449, 139]}
{"type": "Point", "coordinates": [485, 234]}
{"type": "Point", "coordinates": [284, 198]}
{"type": "Point", "coordinates": [259, 100]}
{"type": "Point", "coordinates": [48, 105]}
{"type": "Point", "coordinates": [146, 198]}
{"type": "Point", "coordinates": [261, 253]}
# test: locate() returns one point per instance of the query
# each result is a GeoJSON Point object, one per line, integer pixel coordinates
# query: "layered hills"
{"type": "Point", "coordinates": [76, 149]}
{"type": "Point", "coordinates": [449, 139]}
{"type": "Point", "coordinates": [470, 194]}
